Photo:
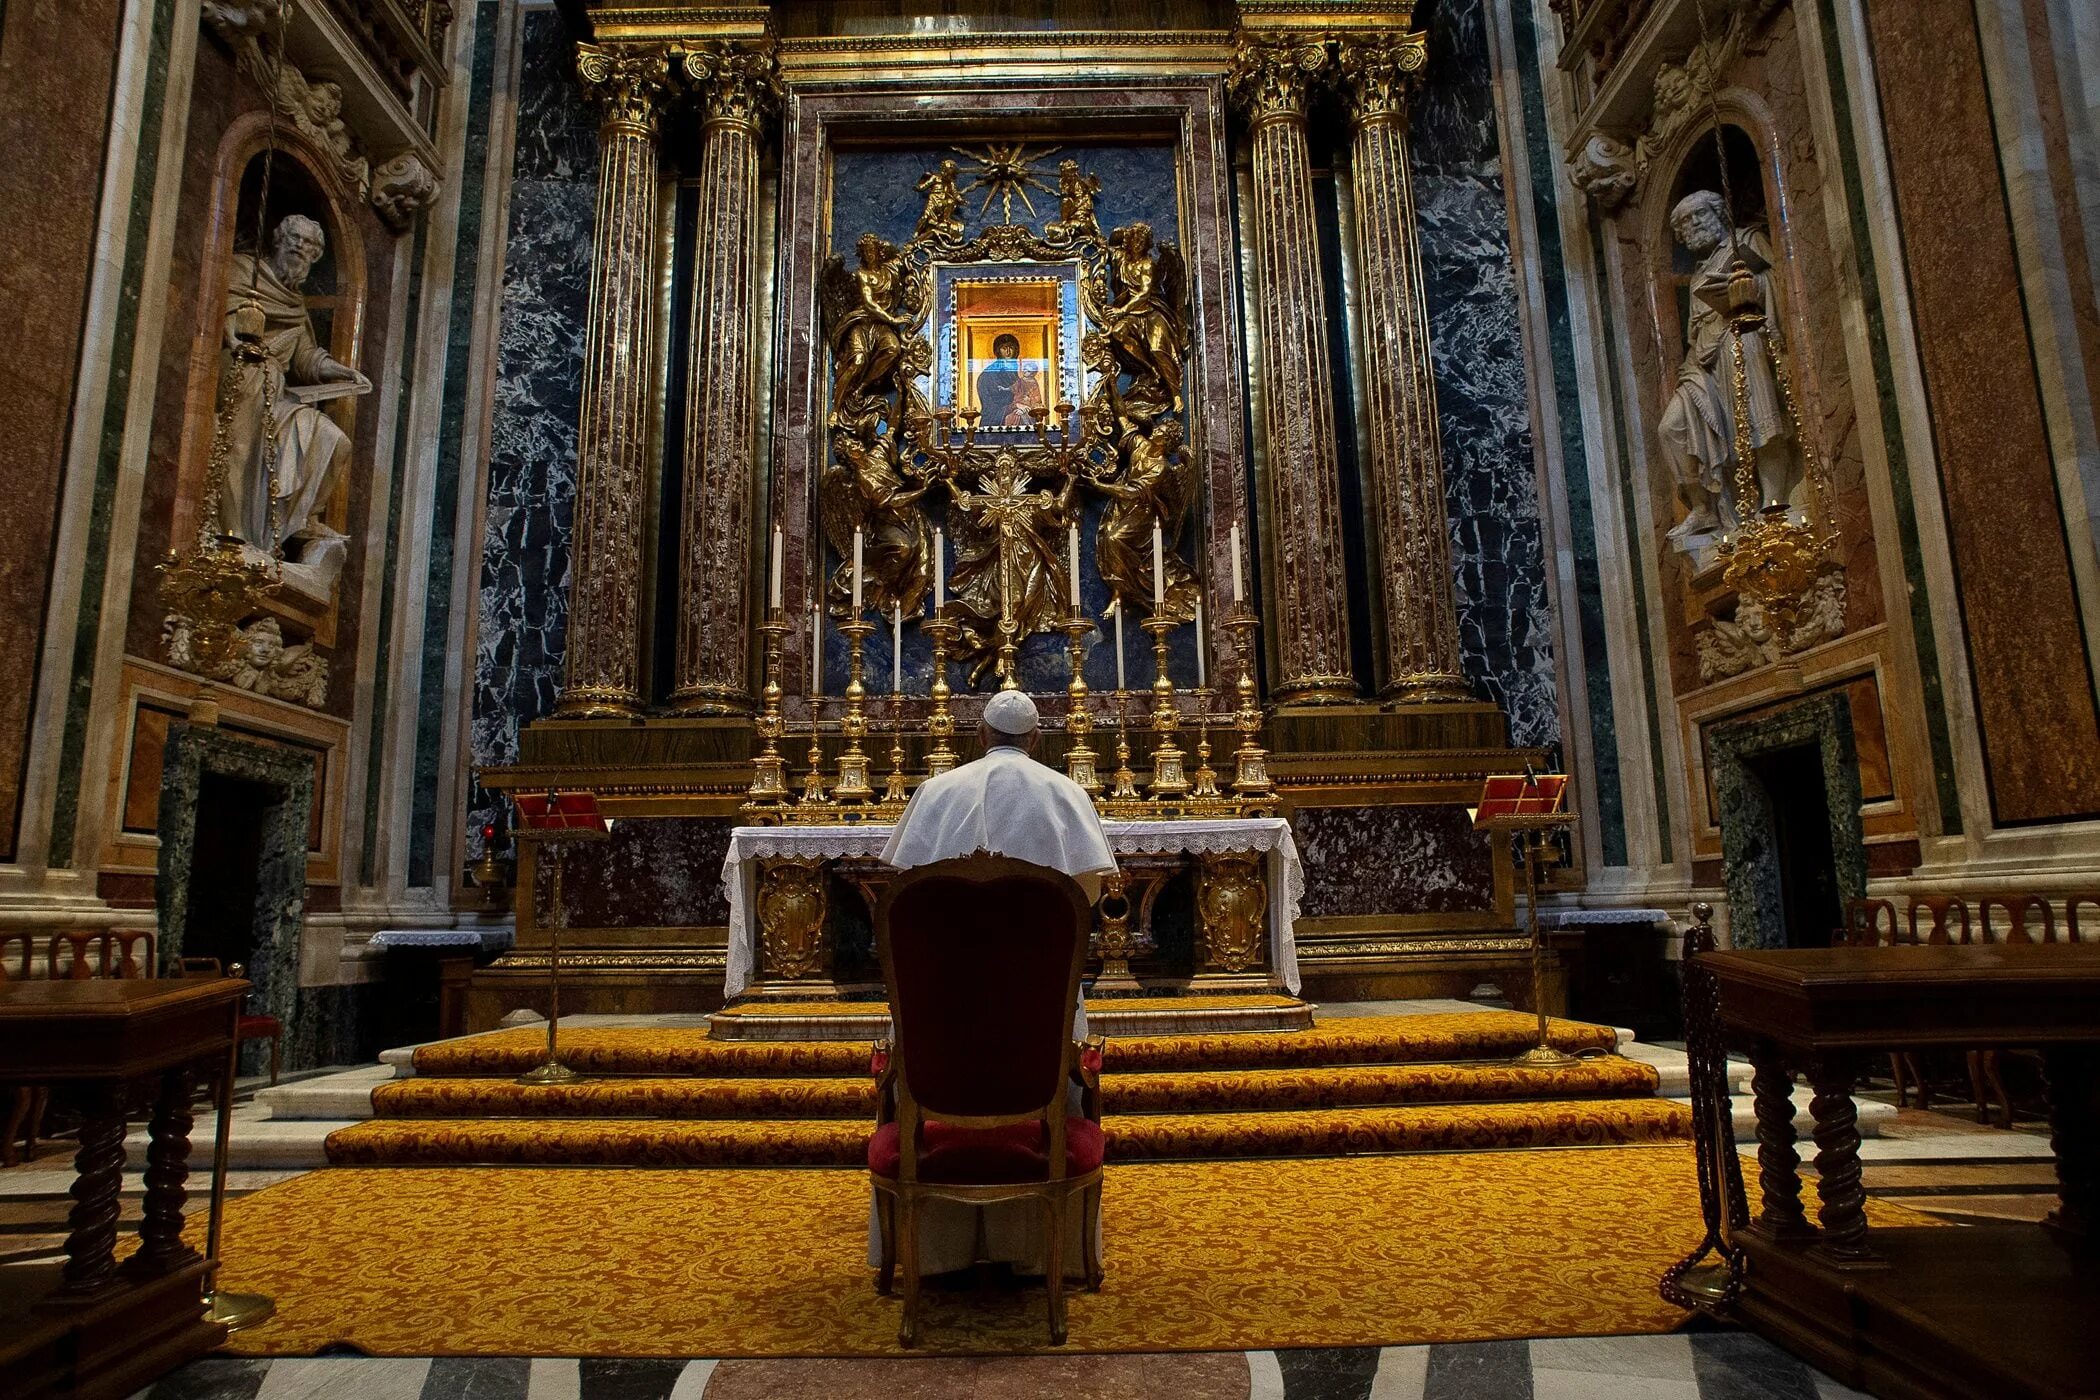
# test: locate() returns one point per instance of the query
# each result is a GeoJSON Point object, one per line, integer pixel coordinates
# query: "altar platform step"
{"type": "Point", "coordinates": [1115, 1017]}
{"type": "Point", "coordinates": [659, 1142]}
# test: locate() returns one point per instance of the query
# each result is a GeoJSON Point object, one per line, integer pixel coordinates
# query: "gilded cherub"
{"type": "Point", "coordinates": [942, 220]}
{"type": "Point", "coordinates": [1156, 486]}
{"type": "Point", "coordinates": [1075, 201]}
{"type": "Point", "coordinates": [1148, 321]}
{"type": "Point", "coordinates": [865, 323]}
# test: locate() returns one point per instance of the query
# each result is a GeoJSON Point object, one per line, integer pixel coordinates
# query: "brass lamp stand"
{"type": "Point", "coordinates": [1529, 808]}
{"type": "Point", "coordinates": [552, 822]}
{"type": "Point", "coordinates": [233, 1311]}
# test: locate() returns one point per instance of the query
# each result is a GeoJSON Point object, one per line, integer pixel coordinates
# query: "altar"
{"type": "Point", "coordinates": [1244, 876]}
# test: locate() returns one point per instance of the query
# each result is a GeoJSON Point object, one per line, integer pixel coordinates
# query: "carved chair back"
{"type": "Point", "coordinates": [1949, 914]}
{"type": "Point", "coordinates": [76, 955]}
{"type": "Point", "coordinates": [1870, 923]}
{"type": "Point", "coordinates": [2071, 908]}
{"type": "Point", "coordinates": [2019, 913]}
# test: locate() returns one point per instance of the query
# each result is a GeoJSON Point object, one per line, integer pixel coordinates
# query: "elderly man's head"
{"type": "Point", "coordinates": [295, 246]}
{"type": "Point", "coordinates": [1010, 721]}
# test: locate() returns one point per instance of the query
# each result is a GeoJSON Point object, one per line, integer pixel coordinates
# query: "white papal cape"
{"type": "Point", "coordinates": [1004, 804]}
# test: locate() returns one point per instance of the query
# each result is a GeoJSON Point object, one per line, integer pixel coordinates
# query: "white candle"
{"type": "Point", "coordinates": [779, 564]}
{"type": "Point", "coordinates": [1201, 669]}
{"type": "Point", "coordinates": [1239, 587]}
{"type": "Point", "coordinates": [940, 572]}
{"type": "Point", "coordinates": [896, 648]}
{"type": "Point", "coordinates": [1159, 569]}
{"type": "Point", "coordinates": [856, 575]}
{"type": "Point", "coordinates": [1073, 537]}
{"type": "Point", "coordinates": [1117, 608]}
{"type": "Point", "coordinates": [816, 650]}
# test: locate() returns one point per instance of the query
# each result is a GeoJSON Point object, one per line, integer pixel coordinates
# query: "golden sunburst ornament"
{"type": "Point", "coordinates": [1004, 172]}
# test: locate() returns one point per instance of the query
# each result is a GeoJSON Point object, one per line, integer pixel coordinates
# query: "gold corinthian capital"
{"type": "Point", "coordinates": [626, 83]}
{"type": "Point", "coordinates": [737, 81]}
{"type": "Point", "coordinates": [1272, 75]}
{"type": "Point", "coordinates": [1378, 73]}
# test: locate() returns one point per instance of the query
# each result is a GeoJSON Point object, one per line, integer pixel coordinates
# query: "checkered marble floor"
{"type": "Point", "coordinates": [1694, 1365]}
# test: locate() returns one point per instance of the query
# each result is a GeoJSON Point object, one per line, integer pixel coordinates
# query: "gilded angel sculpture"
{"type": "Point", "coordinates": [1075, 202]}
{"type": "Point", "coordinates": [864, 488]}
{"type": "Point", "coordinates": [1157, 485]}
{"type": "Point", "coordinates": [942, 220]}
{"type": "Point", "coordinates": [867, 317]}
{"type": "Point", "coordinates": [1148, 320]}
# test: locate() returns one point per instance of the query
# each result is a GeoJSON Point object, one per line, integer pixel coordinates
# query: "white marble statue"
{"type": "Point", "coordinates": [312, 449]}
{"type": "Point", "coordinates": [1698, 424]}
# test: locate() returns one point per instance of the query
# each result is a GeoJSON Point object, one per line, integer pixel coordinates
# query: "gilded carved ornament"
{"type": "Point", "coordinates": [1272, 76]}
{"type": "Point", "coordinates": [736, 80]}
{"type": "Point", "coordinates": [1007, 498]}
{"type": "Point", "coordinates": [628, 84]}
{"type": "Point", "coordinates": [1378, 71]}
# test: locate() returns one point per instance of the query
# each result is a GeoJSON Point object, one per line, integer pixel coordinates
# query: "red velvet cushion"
{"type": "Point", "coordinates": [259, 1027]}
{"type": "Point", "coordinates": [986, 1156]}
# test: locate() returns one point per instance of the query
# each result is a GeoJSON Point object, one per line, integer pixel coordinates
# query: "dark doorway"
{"type": "Point", "coordinates": [1808, 878]}
{"type": "Point", "coordinates": [226, 868]}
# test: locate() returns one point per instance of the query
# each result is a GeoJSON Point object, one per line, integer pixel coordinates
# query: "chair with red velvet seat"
{"type": "Point", "coordinates": [982, 958]}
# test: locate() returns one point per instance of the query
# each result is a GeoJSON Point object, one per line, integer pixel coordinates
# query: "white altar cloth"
{"type": "Point", "coordinates": [1266, 836]}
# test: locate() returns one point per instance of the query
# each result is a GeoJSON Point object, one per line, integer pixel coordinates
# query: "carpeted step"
{"type": "Point", "coordinates": [1366, 1086]}
{"type": "Point", "coordinates": [670, 1051]}
{"type": "Point", "coordinates": [666, 1142]}
{"type": "Point", "coordinates": [689, 1097]}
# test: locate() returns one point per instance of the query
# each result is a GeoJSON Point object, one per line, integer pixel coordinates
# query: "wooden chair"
{"type": "Point", "coordinates": [982, 958]}
{"type": "Point", "coordinates": [1950, 919]}
{"type": "Point", "coordinates": [23, 1103]}
{"type": "Point", "coordinates": [2020, 913]}
{"type": "Point", "coordinates": [1869, 923]}
{"type": "Point", "coordinates": [250, 1027]}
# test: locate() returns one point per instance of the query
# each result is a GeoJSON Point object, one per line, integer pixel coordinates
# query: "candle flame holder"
{"type": "Point", "coordinates": [1170, 781]}
{"type": "Point", "coordinates": [1079, 722]}
{"type": "Point", "coordinates": [769, 787]}
{"type": "Point", "coordinates": [940, 726]}
{"type": "Point", "coordinates": [1250, 780]}
{"type": "Point", "coordinates": [852, 784]}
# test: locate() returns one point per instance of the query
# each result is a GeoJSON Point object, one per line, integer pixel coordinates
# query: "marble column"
{"type": "Point", "coordinates": [735, 82]}
{"type": "Point", "coordinates": [603, 675]}
{"type": "Point", "coordinates": [1309, 586]}
{"type": "Point", "coordinates": [1402, 455]}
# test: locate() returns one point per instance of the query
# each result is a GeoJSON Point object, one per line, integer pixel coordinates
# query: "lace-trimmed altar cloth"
{"type": "Point", "coordinates": [1264, 836]}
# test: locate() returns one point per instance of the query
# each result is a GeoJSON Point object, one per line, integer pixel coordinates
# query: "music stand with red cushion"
{"type": "Point", "coordinates": [982, 958]}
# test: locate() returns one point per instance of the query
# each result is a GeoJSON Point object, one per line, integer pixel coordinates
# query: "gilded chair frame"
{"type": "Point", "coordinates": [898, 1201]}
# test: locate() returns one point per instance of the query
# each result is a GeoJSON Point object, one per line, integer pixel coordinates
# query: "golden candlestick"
{"type": "Point", "coordinates": [852, 784]}
{"type": "Point", "coordinates": [1079, 723]}
{"type": "Point", "coordinates": [1169, 781]}
{"type": "Point", "coordinates": [893, 788]}
{"type": "Point", "coordinates": [1125, 789]}
{"type": "Point", "coordinates": [1250, 779]}
{"type": "Point", "coordinates": [813, 794]}
{"type": "Point", "coordinates": [940, 726]}
{"type": "Point", "coordinates": [1206, 785]}
{"type": "Point", "coordinates": [769, 769]}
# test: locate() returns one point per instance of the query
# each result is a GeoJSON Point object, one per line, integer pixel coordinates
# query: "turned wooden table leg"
{"type": "Point", "coordinates": [1778, 1164]}
{"type": "Point", "coordinates": [167, 1168]}
{"type": "Point", "coordinates": [91, 1263]}
{"type": "Point", "coordinates": [2072, 1073]}
{"type": "Point", "coordinates": [1844, 1209]}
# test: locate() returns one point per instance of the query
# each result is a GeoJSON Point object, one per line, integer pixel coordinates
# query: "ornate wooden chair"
{"type": "Point", "coordinates": [982, 958]}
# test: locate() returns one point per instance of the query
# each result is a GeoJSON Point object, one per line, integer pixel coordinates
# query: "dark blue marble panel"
{"type": "Point", "coordinates": [532, 448]}
{"type": "Point", "coordinates": [1505, 617]}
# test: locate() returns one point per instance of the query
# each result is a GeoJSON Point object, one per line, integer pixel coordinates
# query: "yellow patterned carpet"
{"type": "Point", "coordinates": [1361, 1251]}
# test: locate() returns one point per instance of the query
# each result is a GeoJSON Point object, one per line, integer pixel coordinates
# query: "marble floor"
{"type": "Point", "coordinates": [1697, 1365]}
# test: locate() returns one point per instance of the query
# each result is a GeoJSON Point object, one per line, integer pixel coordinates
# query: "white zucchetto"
{"type": "Point", "coordinates": [1011, 712]}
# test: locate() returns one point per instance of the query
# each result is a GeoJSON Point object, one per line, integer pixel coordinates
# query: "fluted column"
{"type": "Point", "coordinates": [1401, 450]}
{"type": "Point", "coordinates": [603, 675]}
{"type": "Point", "coordinates": [735, 82]}
{"type": "Point", "coordinates": [1311, 613]}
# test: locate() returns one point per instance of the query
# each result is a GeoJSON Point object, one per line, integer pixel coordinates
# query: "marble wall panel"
{"type": "Point", "coordinates": [1393, 860]}
{"type": "Point", "coordinates": [1504, 612]}
{"type": "Point", "coordinates": [56, 65]}
{"type": "Point", "coordinates": [652, 872]}
{"type": "Point", "coordinates": [532, 448]}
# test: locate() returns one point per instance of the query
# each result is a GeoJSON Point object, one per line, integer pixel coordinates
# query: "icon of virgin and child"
{"type": "Point", "coordinates": [1009, 387]}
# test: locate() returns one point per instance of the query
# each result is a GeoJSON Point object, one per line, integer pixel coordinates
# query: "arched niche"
{"type": "Point", "coordinates": [299, 183]}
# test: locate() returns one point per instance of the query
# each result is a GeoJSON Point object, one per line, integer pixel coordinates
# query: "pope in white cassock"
{"type": "Point", "coordinates": [1003, 804]}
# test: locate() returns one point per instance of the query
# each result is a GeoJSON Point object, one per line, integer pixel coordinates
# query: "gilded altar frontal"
{"type": "Point", "coordinates": [1504, 552]}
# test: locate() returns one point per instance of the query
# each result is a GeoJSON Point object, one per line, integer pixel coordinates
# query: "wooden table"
{"type": "Point", "coordinates": [1919, 1311]}
{"type": "Point", "coordinates": [92, 1326]}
